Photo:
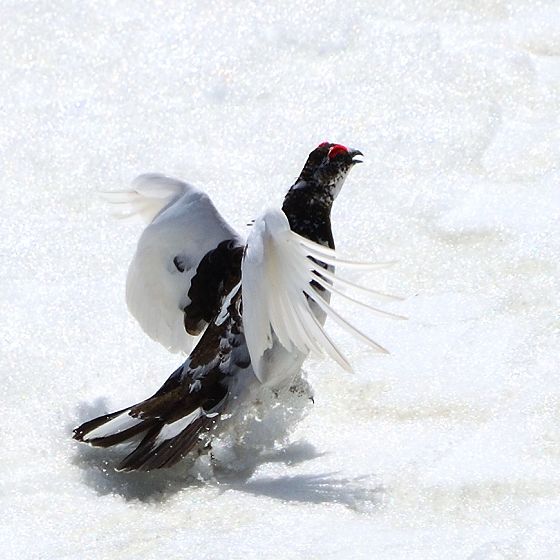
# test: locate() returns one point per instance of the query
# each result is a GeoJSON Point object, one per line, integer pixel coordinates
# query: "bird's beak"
{"type": "Point", "coordinates": [356, 156]}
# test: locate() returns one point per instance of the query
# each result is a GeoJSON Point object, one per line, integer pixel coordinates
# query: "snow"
{"type": "Point", "coordinates": [447, 448]}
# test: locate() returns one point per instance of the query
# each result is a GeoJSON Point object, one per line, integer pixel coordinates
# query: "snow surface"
{"type": "Point", "coordinates": [447, 449]}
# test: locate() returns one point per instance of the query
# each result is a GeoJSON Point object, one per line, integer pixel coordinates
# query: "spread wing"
{"type": "Point", "coordinates": [278, 297]}
{"type": "Point", "coordinates": [175, 281]}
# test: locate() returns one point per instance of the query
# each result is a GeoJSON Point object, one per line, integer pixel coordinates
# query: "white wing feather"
{"type": "Point", "coordinates": [184, 225]}
{"type": "Point", "coordinates": [149, 195]}
{"type": "Point", "coordinates": [277, 273]}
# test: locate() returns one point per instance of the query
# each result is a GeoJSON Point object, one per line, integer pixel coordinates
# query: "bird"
{"type": "Point", "coordinates": [259, 304]}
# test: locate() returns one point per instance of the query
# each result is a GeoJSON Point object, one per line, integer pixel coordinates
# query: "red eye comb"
{"type": "Point", "coordinates": [337, 149]}
{"type": "Point", "coordinates": [323, 144]}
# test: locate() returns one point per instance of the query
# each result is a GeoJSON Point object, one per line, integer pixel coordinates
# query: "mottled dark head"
{"type": "Point", "coordinates": [308, 203]}
{"type": "Point", "coordinates": [326, 168]}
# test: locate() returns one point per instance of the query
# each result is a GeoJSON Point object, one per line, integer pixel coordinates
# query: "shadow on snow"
{"type": "Point", "coordinates": [98, 472]}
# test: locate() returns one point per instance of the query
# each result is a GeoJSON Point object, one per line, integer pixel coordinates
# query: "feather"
{"type": "Point", "coordinates": [321, 281]}
{"type": "Point", "coordinates": [277, 272]}
{"type": "Point", "coordinates": [149, 195]}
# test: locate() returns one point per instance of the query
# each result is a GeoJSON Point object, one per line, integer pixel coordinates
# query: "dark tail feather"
{"type": "Point", "coordinates": [167, 443]}
{"type": "Point", "coordinates": [112, 429]}
{"type": "Point", "coordinates": [167, 438]}
{"type": "Point", "coordinates": [150, 455]}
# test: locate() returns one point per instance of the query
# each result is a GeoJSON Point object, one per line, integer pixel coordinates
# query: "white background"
{"type": "Point", "coordinates": [447, 449]}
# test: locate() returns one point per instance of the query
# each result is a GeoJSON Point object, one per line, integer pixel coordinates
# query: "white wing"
{"type": "Point", "coordinates": [184, 227]}
{"type": "Point", "coordinates": [149, 195]}
{"type": "Point", "coordinates": [277, 295]}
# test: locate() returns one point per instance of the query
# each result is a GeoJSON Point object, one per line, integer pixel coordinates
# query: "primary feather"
{"type": "Point", "coordinates": [278, 270]}
{"type": "Point", "coordinates": [149, 194]}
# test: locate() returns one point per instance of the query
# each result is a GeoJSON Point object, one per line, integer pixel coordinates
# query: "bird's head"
{"type": "Point", "coordinates": [309, 202]}
{"type": "Point", "coordinates": [327, 167]}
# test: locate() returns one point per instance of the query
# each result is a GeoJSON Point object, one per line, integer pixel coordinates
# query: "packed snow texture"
{"type": "Point", "coordinates": [449, 448]}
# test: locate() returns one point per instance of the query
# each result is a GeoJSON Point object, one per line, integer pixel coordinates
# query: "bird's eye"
{"type": "Point", "coordinates": [337, 149]}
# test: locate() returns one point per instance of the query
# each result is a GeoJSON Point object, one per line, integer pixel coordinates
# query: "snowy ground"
{"type": "Point", "coordinates": [447, 449]}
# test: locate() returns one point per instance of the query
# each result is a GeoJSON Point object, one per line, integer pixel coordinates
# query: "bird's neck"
{"type": "Point", "coordinates": [308, 209]}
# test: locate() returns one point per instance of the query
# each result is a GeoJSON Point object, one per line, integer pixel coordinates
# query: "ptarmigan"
{"type": "Point", "coordinates": [261, 304]}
